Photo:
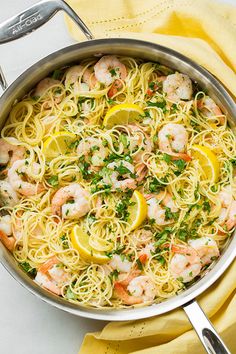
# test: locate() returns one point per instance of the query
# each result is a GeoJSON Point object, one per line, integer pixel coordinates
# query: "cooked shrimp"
{"type": "Point", "coordinates": [117, 169]}
{"type": "Point", "coordinates": [141, 171]}
{"type": "Point", "coordinates": [206, 248]}
{"type": "Point", "coordinates": [8, 241]}
{"type": "Point", "coordinates": [141, 290]}
{"type": "Point", "coordinates": [178, 87]}
{"type": "Point", "coordinates": [209, 108]}
{"type": "Point", "coordinates": [8, 196]}
{"type": "Point", "coordinates": [21, 169]}
{"type": "Point", "coordinates": [147, 251]}
{"type": "Point", "coordinates": [228, 210]}
{"type": "Point", "coordinates": [10, 151]}
{"type": "Point", "coordinates": [6, 225]}
{"type": "Point", "coordinates": [73, 74]}
{"type": "Point", "coordinates": [51, 276]}
{"type": "Point", "coordinates": [44, 85]}
{"type": "Point", "coordinates": [143, 143]}
{"type": "Point", "coordinates": [173, 139]}
{"type": "Point", "coordinates": [77, 198]}
{"type": "Point", "coordinates": [93, 147]}
{"type": "Point", "coordinates": [108, 69]}
{"type": "Point", "coordinates": [6, 232]}
{"type": "Point", "coordinates": [186, 264]}
{"type": "Point", "coordinates": [120, 264]}
{"type": "Point", "coordinates": [115, 87]}
{"type": "Point", "coordinates": [157, 208]}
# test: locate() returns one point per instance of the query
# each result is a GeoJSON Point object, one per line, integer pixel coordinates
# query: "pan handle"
{"type": "Point", "coordinates": [34, 17]}
{"type": "Point", "coordinates": [205, 331]}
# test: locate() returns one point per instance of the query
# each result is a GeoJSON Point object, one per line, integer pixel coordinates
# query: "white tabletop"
{"type": "Point", "coordinates": [28, 325]}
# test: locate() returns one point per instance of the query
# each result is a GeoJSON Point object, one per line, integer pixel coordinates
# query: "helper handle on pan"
{"type": "Point", "coordinates": [206, 332]}
{"type": "Point", "coordinates": [34, 17]}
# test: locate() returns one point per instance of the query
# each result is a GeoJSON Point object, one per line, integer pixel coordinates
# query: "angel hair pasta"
{"type": "Point", "coordinates": [117, 182]}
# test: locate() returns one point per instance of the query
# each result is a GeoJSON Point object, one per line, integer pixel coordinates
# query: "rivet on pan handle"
{"type": "Point", "coordinates": [34, 17]}
{"type": "Point", "coordinates": [205, 331]}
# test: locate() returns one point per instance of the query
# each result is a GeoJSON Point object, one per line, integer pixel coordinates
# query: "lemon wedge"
{"type": "Point", "coordinates": [137, 210]}
{"type": "Point", "coordinates": [80, 241]}
{"type": "Point", "coordinates": [122, 114]}
{"type": "Point", "coordinates": [208, 161]}
{"type": "Point", "coordinates": [57, 144]}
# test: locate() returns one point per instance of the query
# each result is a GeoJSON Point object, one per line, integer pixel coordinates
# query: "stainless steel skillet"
{"type": "Point", "coordinates": [25, 23]}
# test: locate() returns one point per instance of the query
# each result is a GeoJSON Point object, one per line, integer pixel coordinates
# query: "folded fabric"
{"type": "Point", "coordinates": [205, 31]}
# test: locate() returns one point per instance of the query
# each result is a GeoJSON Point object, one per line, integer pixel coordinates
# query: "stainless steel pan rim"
{"type": "Point", "coordinates": [116, 45]}
{"type": "Point", "coordinates": [122, 314]}
{"type": "Point", "coordinates": [148, 51]}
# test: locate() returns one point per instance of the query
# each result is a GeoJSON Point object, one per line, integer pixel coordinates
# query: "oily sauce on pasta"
{"type": "Point", "coordinates": [68, 174]}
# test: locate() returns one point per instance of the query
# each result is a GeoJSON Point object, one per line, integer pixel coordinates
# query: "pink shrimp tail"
{"type": "Point", "coordinates": [191, 253]}
{"type": "Point", "coordinates": [230, 224]}
{"type": "Point", "coordinates": [133, 274]}
{"type": "Point", "coordinates": [40, 188]}
{"type": "Point", "coordinates": [181, 156]}
{"type": "Point", "coordinates": [141, 170]}
{"type": "Point", "coordinates": [8, 241]}
{"type": "Point", "coordinates": [44, 268]}
{"type": "Point", "coordinates": [124, 296]}
{"type": "Point", "coordinates": [116, 86]}
{"type": "Point", "coordinates": [143, 258]}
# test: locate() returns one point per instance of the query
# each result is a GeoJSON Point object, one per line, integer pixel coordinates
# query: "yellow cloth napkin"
{"type": "Point", "coordinates": [204, 30]}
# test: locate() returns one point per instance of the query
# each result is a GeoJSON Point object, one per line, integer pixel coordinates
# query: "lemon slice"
{"type": "Point", "coordinates": [122, 114]}
{"type": "Point", "coordinates": [137, 211]}
{"type": "Point", "coordinates": [80, 241]}
{"type": "Point", "coordinates": [208, 161]}
{"type": "Point", "coordinates": [57, 144]}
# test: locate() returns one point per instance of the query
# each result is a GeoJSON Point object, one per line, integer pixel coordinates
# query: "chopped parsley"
{"type": "Point", "coordinates": [57, 74]}
{"type": "Point", "coordinates": [180, 164]}
{"type": "Point", "coordinates": [114, 275]}
{"type": "Point", "coordinates": [110, 101]}
{"type": "Point", "coordinates": [166, 158]}
{"type": "Point", "coordinates": [28, 269]}
{"type": "Point", "coordinates": [70, 295]}
{"type": "Point", "coordinates": [159, 104]}
{"type": "Point", "coordinates": [169, 215]}
{"type": "Point", "coordinates": [84, 168]}
{"type": "Point", "coordinates": [182, 234]}
{"type": "Point", "coordinates": [64, 241]}
{"type": "Point", "coordinates": [206, 206]}
{"type": "Point", "coordinates": [53, 181]}
{"type": "Point", "coordinates": [123, 205]}
{"type": "Point", "coordinates": [155, 185]}
{"type": "Point", "coordinates": [122, 170]}
{"type": "Point", "coordinates": [160, 259]}
{"type": "Point", "coordinates": [119, 249]}
{"type": "Point", "coordinates": [74, 144]}
{"type": "Point", "coordinates": [162, 237]}
{"type": "Point", "coordinates": [112, 157]}
{"type": "Point", "coordinates": [113, 72]}
{"type": "Point", "coordinates": [152, 85]}
{"type": "Point", "coordinates": [139, 264]}
{"type": "Point", "coordinates": [94, 148]}
{"type": "Point", "coordinates": [123, 139]}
